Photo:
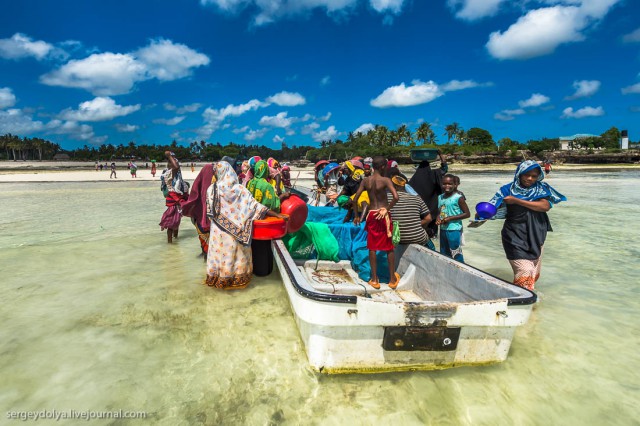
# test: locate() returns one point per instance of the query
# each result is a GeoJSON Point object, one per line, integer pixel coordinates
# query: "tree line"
{"type": "Point", "coordinates": [380, 140]}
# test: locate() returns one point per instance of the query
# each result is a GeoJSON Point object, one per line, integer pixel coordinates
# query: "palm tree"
{"type": "Point", "coordinates": [423, 132]}
{"type": "Point", "coordinates": [451, 130]}
{"type": "Point", "coordinates": [404, 134]}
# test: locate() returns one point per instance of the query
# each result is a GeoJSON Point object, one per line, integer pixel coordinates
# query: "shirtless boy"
{"type": "Point", "coordinates": [378, 223]}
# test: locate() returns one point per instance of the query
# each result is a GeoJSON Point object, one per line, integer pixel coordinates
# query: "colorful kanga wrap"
{"type": "Point", "coordinates": [261, 189]}
{"type": "Point", "coordinates": [178, 191]}
{"type": "Point", "coordinates": [379, 232]}
{"type": "Point", "coordinates": [525, 230]}
{"type": "Point", "coordinates": [232, 210]}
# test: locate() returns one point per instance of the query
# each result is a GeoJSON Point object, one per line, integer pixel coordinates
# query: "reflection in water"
{"type": "Point", "coordinates": [100, 313]}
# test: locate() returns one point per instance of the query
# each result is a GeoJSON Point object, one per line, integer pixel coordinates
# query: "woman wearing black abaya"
{"type": "Point", "coordinates": [426, 182]}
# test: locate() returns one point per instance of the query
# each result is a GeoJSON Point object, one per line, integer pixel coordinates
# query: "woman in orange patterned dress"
{"type": "Point", "coordinates": [232, 210]}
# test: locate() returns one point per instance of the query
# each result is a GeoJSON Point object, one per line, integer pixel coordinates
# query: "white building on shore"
{"type": "Point", "coordinates": [566, 142]}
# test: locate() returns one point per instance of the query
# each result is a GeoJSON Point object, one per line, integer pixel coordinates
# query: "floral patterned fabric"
{"type": "Point", "coordinates": [261, 189]}
{"type": "Point", "coordinates": [232, 210]}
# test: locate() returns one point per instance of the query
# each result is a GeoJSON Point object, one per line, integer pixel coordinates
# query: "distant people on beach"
{"type": "Point", "coordinates": [134, 169]}
{"type": "Point", "coordinates": [193, 167]}
{"type": "Point", "coordinates": [153, 168]}
{"type": "Point", "coordinates": [176, 191]}
{"type": "Point", "coordinates": [100, 166]}
{"type": "Point", "coordinates": [378, 223]}
{"type": "Point", "coordinates": [96, 166]}
{"type": "Point", "coordinates": [524, 204]}
{"type": "Point", "coordinates": [452, 208]}
{"type": "Point", "coordinates": [113, 171]}
{"type": "Point", "coordinates": [547, 167]}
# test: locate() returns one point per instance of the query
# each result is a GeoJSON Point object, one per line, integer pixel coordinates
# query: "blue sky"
{"type": "Point", "coordinates": [90, 72]}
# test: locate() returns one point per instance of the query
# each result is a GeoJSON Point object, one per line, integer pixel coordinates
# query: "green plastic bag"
{"type": "Point", "coordinates": [395, 236]}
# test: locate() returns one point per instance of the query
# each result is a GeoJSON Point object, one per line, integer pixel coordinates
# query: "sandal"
{"type": "Point", "coordinates": [375, 284]}
{"type": "Point", "coordinates": [394, 285]}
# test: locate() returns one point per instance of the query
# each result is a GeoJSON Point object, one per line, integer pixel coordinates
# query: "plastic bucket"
{"type": "Point", "coordinates": [270, 228]}
{"type": "Point", "coordinates": [297, 210]}
{"type": "Point", "coordinates": [486, 210]}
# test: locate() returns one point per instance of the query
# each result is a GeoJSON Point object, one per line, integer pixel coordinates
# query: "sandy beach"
{"type": "Point", "coordinates": [73, 171]}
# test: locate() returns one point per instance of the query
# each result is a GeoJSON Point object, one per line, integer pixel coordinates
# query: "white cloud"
{"type": "Point", "coordinates": [170, 121]}
{"type": "Point", "coordinates": [471, 10]}
{"type": "Point", "coordinates": [309, 128]}
{"type": "Point", "coordinates": [166, 60]}
{"type": "Point", "coordinates": [269, 11]}
{"type": "Point", "coordinates": [584, 89]}
{"type": "Point", "coordinates": [325, 80]}
{"type": "Point", "coordinates": [402, 96]}
{"type": "Point", "coordinates": [508, 114]}
{"type": "Point", "coordinates": [328, 134]}
{"type": "Point", "coordinates": [102, 74]}
{"type": "Point", "coordinates": [98, 109]}
{"type": "Point", "coordinates": [287, 99]}
{"type": "Point", "coordinates": [21, 46]}
{"type": "Point", "coordinates": [126, 128]}
{"type": "Point", "coordinates": [632, 37]}
{"type": "Point", "coordinates": [635, 88]}
{"type": "Point", "coordinates": [387, 6]}
{"type": "Point", "coordinates": [364, 128]}
{"type": "Point", "coordinates": [278, 120]}
{"type": "Point", "coordinates": [7, 98]}
{"type": "Point", "coordinates": [582, 112]}
{"type": "Point", "coordinates": [541, 31]}
{"type": "Point", "coordinates": [75, 130]}
{"type": "Point", "coordinates": [17, 122]}
{"type": "Point", "coordinates": [535, 100]}
{"type": "Point", "coordinates": [184, 109]}
{"type": "Point", "coordinates": [278, 139]}
{"type": "Point", "coordinates": [240, 130]}
{"type": "Point", "coordinates": [218, 115]}
{"type": "Point", "coordinates": [106, 74]}
{"type": "Point", "coordinates": [252, 135]}
{"type": "Point", "coordinates": [419, 92]}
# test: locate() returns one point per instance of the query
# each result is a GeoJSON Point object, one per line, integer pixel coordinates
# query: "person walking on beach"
{"type": "Point", "coordinates": [133, 168]}
{"type": "Point", "coordinates": [378, 223]}
{"type": "Point", "coordinates": [453, 208]}
{"type": "Point", "coordinates": [113, 171]}
{"type": "Point", "coordinates": [153, 168]}
{"type": "Point", "coordinates": [176, 190]}
{"type": "Point", "coordinates": [524, 204]}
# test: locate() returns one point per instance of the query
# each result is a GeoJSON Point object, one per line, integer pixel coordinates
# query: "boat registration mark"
{"type": "Point", "coordinates": [434, 338]}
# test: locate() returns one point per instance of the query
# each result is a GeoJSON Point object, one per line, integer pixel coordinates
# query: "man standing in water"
{"type": "Point", "coordinates": [378, 224]}
{"type": "Point", "coordinates": [113, 171]}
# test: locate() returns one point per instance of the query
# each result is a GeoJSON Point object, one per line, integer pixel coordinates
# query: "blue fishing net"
{"type": "Point", "coordinates": [312, 242]}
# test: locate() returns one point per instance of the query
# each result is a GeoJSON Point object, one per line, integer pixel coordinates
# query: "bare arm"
{"type": "Point", "coordinates": [465, 213]}
{"type": "Point", "coordinates": [354, 205]}
{"type": "Point", "coordinates": [541, 205]}
{"type": "Point", "coordinates": [426, 220]}
{"type": "Point", "coordinates": [394, 193]}
{"type": "Point", "coordinates": [173, 163]}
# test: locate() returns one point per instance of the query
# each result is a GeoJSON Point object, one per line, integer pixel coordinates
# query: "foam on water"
{"type": "Point", "coordinates": [99, 313]}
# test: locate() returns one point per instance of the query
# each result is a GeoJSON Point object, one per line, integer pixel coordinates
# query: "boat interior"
{"type": "Point", "coordinates": [426, 276]}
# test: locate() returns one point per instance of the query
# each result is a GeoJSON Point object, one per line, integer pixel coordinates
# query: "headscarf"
{"type": "Point", "coordinates": [253, 161]}
{"type": "Point", "coordinates": [231, 206]}
{"type": "Point", "coordinates": [261, 189]}
{"type": "Point", "coordinates": [535, 192]}
{"type": "Point", "coordinates": [355, 167]}
{"type": "Point", "coordinates": [273, 163]}
{"type": "Point", "coordinates": [196, 206]}
{"type": "Point", "coordinates": [426, 183]}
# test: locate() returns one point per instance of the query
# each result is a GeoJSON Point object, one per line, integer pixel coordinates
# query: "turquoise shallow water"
{"type": "Point", "coordinates": [99, 313]}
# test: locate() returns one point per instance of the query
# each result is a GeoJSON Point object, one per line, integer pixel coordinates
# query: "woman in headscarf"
{"type": "Point", "coordinates": [275, 178]}
{"type": "Point", "coordinates": [196, 206]}
{"type": "Point", "coordinates": [427, 183]}
{"type": "Point", "coordinates": [232, 210]}
{"type": "Point", "coordinates": [261, 189]}
{"type": "Point", "coordinates": [524, 204]}
{"type": "Point", "coordinates": [176, 191]}
{"type": "Point", "coordinates": [352, 175]}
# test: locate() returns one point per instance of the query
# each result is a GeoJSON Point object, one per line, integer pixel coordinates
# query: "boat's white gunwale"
{"type": "Point", "coordinates": [296, 278]}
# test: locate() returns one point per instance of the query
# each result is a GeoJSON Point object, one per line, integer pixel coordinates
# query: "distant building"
{"type": "Point", "coordinates": [567, 141]}
{"type": "Point", "coordinates": [61, 157]}
{"type": "Point", "coordinates": [624, 140]}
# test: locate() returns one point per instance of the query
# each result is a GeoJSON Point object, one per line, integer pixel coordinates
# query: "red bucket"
{"type": "Point", "coordinates": [270, 228]}
{"type": "Point", "coordinates": [297, 210]}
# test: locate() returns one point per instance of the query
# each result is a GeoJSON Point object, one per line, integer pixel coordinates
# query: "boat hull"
{"type": "Point", "coordinates": [358, 334]}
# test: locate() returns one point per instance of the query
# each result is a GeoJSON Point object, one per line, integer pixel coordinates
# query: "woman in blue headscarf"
{"type": "Point", "coordinates": [524, 204]}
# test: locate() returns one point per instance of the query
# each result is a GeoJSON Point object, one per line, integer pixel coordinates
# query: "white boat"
{"type": "Point", "coordinates": [442, 314]}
